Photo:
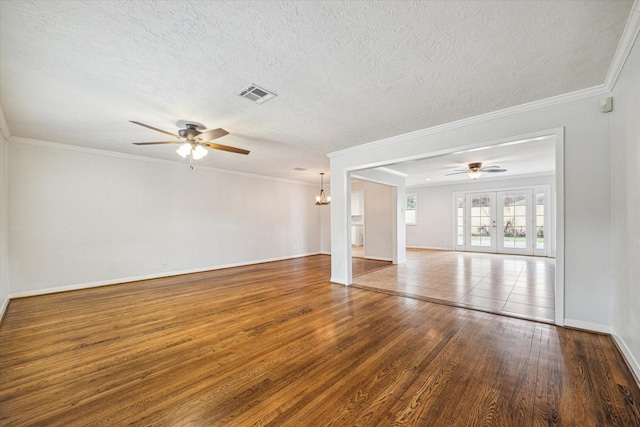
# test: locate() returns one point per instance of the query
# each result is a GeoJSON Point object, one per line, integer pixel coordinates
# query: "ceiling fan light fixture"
{"type": "Point", "coordinates": [474, 174]}
{"type": "Point", "coordinates": [184, 149]}
{"type": "Point", "coordinates": [199, 152]}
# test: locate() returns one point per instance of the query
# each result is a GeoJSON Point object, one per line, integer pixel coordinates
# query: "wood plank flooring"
{"type": "Point", "coordinates": [512, 285]}
{"type": "Point", "coordinates": [277, 344]}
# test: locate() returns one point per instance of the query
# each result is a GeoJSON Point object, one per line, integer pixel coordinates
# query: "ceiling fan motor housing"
{"type": "Point", "coordinates": [475, 166]}
{"type": "Point", "coordinates": [190, 132]}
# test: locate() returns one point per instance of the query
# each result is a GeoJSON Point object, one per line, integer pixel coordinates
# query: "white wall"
{"type": "Point", "coordinates": [325, 229]}
{"type": "Point", "coordinates": [587, 185]}
{"type": "Point", "coordinates": [434, 228]}
{"type": "Point", "coordinates": [4, 226]}
{"type": "Point", "coordinates": [379, 203]}
{"type": "Point", "coordinates": [625, 190]}
{"type": "Point", "coordinates": [81, 217]}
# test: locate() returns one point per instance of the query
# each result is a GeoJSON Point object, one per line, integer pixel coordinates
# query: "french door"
{"type": "Point", "coordinates": [509, 222]}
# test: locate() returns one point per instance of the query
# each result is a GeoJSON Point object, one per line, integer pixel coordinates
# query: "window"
{"type": "Point", "coordinates": [411, 209]}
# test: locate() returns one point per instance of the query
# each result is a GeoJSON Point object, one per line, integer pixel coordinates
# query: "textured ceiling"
{"type": "Point", "coordinates": [346, 73]}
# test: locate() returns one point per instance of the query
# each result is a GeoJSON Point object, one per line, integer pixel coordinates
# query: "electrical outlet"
{"type": "Point", "coordinates": [165, 262]}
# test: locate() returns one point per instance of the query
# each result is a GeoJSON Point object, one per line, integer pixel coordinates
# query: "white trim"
{"type": "Point", "coordinates": [633, 364]}
{"type": "Point", "coordinates": [338, 281]}
{"type": "Point", "coordinates": [587, 326]}
{"type": "Point", "coordinates": [3, 308]}
{"type": "Point", "coordinates": [376, 258]}
{"type": "Point", "coordinates": [629, 35]}
{"type": "Point", "coordinates": [558, 242]}
{"type": "Point", "coordinates": [432, 248]}
{"type": "Point", "coordinates": [107, 153]}
{"type": "Point", "coordinates": [79, 286]}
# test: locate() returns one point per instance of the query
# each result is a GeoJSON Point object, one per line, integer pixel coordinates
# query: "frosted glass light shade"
{"type": "Point", "coordinates": [184, 149]}
{"type": "Point", "coordinates": [474, 174]}
{"type": "Point", "coordinates": [199, 152]}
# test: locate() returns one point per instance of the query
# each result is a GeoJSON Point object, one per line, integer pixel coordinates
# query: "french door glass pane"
{"type": "Point", "coordinates": [460, 220]}
{"type": "Point", "coordinates": [539, 220]}
{"type": "Point", "coordinates": [480, 221]}
{"type": "Point", "coordinates": [515, 220]}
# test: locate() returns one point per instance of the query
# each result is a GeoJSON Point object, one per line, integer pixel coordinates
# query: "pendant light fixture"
{"type": "Point", "coordinates": [322, 199]}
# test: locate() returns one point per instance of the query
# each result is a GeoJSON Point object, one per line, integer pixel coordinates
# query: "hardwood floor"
{"type": "Point", "coordinates": [512, 285]}
{"type": "Point", "coordinates": [277, 344]}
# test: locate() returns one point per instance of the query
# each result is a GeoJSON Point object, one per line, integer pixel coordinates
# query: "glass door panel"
{"type": "Point", "coordinates": [515, 215]}
{"type": "Point", "coordinates": [480, 234]}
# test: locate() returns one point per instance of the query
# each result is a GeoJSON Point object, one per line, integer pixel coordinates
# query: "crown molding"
{"type": "Point", "coordinates": [629, 35]}
{"type": "Point", "coordinates": [107, 153]}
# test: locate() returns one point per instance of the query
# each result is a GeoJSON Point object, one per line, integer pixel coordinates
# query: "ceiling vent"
{"type": "Point", "coordinates": [299, 169]}
{"type": "Point", "coordinates": [256, 94]}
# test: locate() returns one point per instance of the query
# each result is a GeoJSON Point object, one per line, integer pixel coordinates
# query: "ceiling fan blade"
{"type": "Point", "coordinates": [212, 134]}
{"type": "Point", "coordinates": [156, 129]}
{"type": "Point", "coordinates": [224, 148]}
{"type": "Point", "coordinates": [494, 170]}
{"type": "Point", "coordinates": [455, 173]}
{"type": "Point", "coordinates": [153, 143]}
{"type": "Point", "coordinates": [490, 167]}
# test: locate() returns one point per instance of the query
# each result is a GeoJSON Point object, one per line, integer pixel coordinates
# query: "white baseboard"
{"type": "Point", "coordinates": [433, 248]}
{"type": "Point", "coordinates": [588, 326]}
{"type": "Point", "coordinates": [79, 286]}
{"type": "Point", "coordinates": [375, 258]}
{"type": "Point", "coordinates": [3, 308]}
{"type": "Point", "coordinates": [628, 356]}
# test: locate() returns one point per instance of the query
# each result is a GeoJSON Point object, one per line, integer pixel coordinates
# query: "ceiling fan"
{"type": "Point", "coordinates": [193, 140]}
{"type": "Point", "coordinates": [475, 170]}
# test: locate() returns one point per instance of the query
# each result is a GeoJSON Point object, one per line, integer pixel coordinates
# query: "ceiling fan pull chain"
{"type": "Point", "coordinates": [191, 159]}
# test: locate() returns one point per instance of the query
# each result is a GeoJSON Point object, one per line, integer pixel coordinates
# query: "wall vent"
{"type": "Point", "coordinates": [256, 94]}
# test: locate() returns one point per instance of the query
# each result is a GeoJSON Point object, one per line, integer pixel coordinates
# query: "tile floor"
{"type": "Point", "coordinates": [518, 286]}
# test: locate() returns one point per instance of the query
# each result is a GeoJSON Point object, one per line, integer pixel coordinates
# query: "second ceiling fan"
{"type": "Point", "coordinates": [476, 169]}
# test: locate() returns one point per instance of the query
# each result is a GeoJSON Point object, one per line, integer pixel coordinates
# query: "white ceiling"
{"type": "Point", "coordinates": [346, 73]}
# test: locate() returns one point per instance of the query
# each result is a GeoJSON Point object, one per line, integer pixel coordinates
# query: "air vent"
{"type": "Point", "coordinates": [256, 94]}
{"type": "Point", "coordinates": [299, 169]}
